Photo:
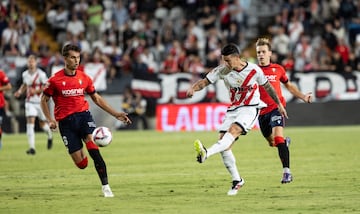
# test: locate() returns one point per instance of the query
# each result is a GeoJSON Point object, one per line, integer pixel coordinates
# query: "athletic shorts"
{"type": "Point", "coordinates": [34, 110]}
{"type": "Point", "coordinates": [244, 116]}
{"type": "Point", "coordinates": [270, 120]}
{"type": "Point", "coordinates": [74, 129]}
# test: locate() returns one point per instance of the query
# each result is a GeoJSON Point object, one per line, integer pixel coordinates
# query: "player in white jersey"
{"type": "Point", "coordinates": [242, 79]}
{"type": "Point", "coordinates": [34, 80]}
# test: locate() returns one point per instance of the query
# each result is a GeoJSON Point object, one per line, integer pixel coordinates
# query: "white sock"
{"type": "Point", "coordinates": [286, 170]}
{"type": "Point", "coordinates": [230, 164]}
{"type": "Point", "coordinates": [48, 131]}
{"type": "Point", "coordinates": [31, 135]}
{"type": "Point", "coordinates": [221, 145]}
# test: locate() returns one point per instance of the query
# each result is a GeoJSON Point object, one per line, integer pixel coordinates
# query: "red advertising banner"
{"type": "Point", "coordinates": [190, 117]}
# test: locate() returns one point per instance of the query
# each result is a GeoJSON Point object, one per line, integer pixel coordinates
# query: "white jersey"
{"type": "Point", "coordinates": [34, 80]}
{"type": "Point", "coordinates": [243, 85]}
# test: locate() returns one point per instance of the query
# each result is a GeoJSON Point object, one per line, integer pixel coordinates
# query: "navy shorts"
{"type": "Point", "coordinates": [270, 120]}
{"type": "Point", "coordinates": [74, 128]}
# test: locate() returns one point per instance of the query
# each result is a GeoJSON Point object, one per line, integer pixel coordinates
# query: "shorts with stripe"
{"type": "Point", "coordinates": [270, 120]}
{"type": "Point", "coordinates": [244, 116]}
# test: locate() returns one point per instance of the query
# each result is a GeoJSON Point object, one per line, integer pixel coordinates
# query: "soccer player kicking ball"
{"type": "Point", "coordinates": [270, 120]}
{"type": "Point", "coordinates": [243, 80]}
{"type": "Point", "coordinates": [76, 124]}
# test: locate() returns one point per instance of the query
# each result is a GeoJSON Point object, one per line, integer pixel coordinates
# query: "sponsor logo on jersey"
{"type": "Point", "coordinates": [72, 92]}
{"type": "Point", "coordinates": [271, 78]}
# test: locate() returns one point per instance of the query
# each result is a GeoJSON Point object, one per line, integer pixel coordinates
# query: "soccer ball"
{"type": "Point", "coordinates": [102, 136]}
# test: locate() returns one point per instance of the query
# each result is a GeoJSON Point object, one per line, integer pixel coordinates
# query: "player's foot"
{"type": "Point", "coordinates": [287, 178]}
{"type": "Point", "coordinates": [0, 144]}
{"type": "Point", "coordinates": [30, 151]}
{"type": "Point", "coordinates": [287, 141]}
{"type": "Point", "coordinates": [49, 143]}
{"type": "Point", "coordinates": [236, 185]}
{"type": "Point", "coordinates": [107, 191]}
{"type": "Point", "coordinates": [200, 151]}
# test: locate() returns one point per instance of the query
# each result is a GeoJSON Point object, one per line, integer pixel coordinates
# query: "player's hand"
{"type": "Point", "coordinates": [308, 98]}
{"type": "Point", "coordinates": [122, 116]}
{"type": "Point", "coordinates": [282, 111]}
{"type": "Point", "coordinates": [17, 94]}
{"type": "Point", "coordinates": [190, 92]}
{"type": "Point", "coordinates": [52, 124]}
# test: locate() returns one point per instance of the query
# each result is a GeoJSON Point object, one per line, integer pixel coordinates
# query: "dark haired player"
{"type": "Point", "coordinates": [76, 124]}
{"type": "Point", "coordinates": [242, 79]}
{"type": "Point", "coordinates": [271, 120]}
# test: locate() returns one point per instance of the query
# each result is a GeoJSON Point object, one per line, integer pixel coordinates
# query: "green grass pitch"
{"type": "Point", "coordinates": [156, 172]}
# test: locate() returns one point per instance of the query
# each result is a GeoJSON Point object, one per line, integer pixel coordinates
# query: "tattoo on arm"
{"type": "Point", "coordinates": [201, 84]}
{"type": "Point", "coordinates": [271, 91]}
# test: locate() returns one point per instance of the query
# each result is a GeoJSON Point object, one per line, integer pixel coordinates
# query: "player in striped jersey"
{"type": "Point", "coordinates": [34, 80]}
{"type": "Point", "coordinates": [243, 80]}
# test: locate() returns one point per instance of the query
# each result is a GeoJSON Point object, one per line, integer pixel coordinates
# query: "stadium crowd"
{"type": "Point", "coordinates": [141, 38]}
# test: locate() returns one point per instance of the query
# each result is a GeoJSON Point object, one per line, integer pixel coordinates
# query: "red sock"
{"type": "Point", "coordinates": [82, 164]}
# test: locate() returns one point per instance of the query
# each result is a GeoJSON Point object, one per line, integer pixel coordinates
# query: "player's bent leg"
{"type": "Point", "coordinates": [271, 141]}
{"type": "Point", "coordinates": [83, 163]}
{"type": "Point", "coordinates": [80, 159]}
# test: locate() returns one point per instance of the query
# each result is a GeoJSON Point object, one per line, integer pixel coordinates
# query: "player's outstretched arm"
{"type": "Point", "coordinates": [99, 100]}
{"type": "Point", "coordinates": [197, 86]}
{"type": "Point", "coordinates": [307, 98]}
{"type": "Point", "coordinates": [271, 91]}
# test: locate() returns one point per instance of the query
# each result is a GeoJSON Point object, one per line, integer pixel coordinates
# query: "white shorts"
{"type": "Point", "coordinates": [34, 110]}
{"type": "Point", "coordinates": [245, 116]}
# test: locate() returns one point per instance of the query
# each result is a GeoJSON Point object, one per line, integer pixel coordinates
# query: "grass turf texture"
{"type": "Point", "coordinates": [154, 172]}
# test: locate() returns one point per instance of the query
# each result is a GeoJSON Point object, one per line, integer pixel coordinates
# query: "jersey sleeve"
{"type": "Point", "coordinates": [214, 74]}
{"type": "Point", "coordinates": [4, 79]}
{"type": "Point", "coordinates": [261, 78]}
{"type": "Point", "coordinates": [90, 89]}
{"type": "Point", "coordinates": [283, 78]}
{"type": "Point", "coordinates": [44, 78]}
{"type": "Point", "coordinates": [48, 89]}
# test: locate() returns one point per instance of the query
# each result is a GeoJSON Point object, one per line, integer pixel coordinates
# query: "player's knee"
{"type": "Point", "coordinates": [278, 140]}
{"type": "Point", "coordinates": [82, 164]}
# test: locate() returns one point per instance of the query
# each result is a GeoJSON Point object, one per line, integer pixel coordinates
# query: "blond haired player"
{"type": "Point", "coordinates": [271, 120]}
